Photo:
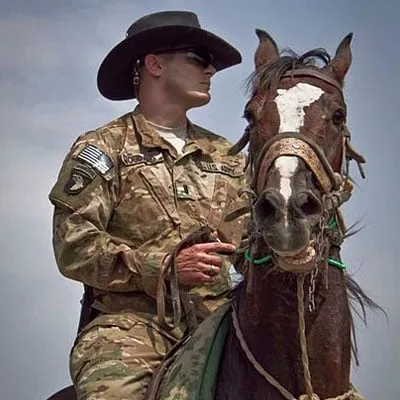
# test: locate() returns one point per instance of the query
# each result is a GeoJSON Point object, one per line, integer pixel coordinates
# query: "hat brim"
{"type": "Point", "coordinates": [114, 79]}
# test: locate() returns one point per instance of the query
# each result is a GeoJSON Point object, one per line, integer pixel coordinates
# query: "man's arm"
{"type": "Point", "coordinates": [86, 253]}
{"type": "Point", "coordinates": [84, 198]}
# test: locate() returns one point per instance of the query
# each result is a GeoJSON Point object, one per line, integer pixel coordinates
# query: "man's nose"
{"type": "Point", "coordinates": [210, 70]}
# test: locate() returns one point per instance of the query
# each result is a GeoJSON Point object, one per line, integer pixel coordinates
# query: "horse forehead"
{"type": "Point", "coordinates": [299, 94]}
{"type": "Point", "coordinates": [291, 103]}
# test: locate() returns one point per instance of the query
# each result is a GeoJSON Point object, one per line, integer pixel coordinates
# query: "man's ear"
{"type": "Point", "coordinates": [152, 63]}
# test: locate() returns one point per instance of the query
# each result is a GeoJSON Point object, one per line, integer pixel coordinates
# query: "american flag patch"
{"type": "Point", "coordinates": [96, 158]}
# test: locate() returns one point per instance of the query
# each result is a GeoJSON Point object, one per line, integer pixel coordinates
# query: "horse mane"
{"type": "Point", "coordinates": [268, 76]}
{"type": "Point", "coordinates": [359, 303]}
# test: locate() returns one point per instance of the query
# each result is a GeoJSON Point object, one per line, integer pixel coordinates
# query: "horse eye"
{"type": "Point", "coordinates": [338, 117]}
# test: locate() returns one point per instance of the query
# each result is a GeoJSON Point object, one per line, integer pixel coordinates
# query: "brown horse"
{"type": "Point", "coordinates": [290, 335]}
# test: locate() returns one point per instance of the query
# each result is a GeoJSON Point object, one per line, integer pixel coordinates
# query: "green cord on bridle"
{"type": "Point", "coordinates": [268, 258]}
{"type": "Point", "coordinates": [256, 261]}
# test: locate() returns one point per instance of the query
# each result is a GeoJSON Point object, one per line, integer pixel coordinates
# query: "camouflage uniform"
{"type": "Point", "coordinates": [123, 200]}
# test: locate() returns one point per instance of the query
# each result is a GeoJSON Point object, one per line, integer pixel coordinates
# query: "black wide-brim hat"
{"type": "Point", "coordinates": [154, 33]}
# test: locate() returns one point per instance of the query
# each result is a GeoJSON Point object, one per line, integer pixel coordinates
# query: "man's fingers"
{"type": "Point", "coordinates": [191, 259]}
{"type": "Point", "coordinates": [194, 278]}
{"type": "Point", "coordinates": [215, 247]}
{"type": "Point", "coordinates": [209, 269]}
{"type": "Point", "coordinates": [201, 262]}
{"type": "Point", "coordinates": [206, 268]}
{"type": "Point", "coordinates": [206, 258]}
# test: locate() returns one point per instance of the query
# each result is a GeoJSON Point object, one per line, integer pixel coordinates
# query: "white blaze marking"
{"type": "Point", "coordinates": [286, 166]}
{"type": "Point", "coordinates": [291, 103]}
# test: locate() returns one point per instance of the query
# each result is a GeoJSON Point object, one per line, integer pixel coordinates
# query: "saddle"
{"type": "Point", "coordinates": [190, 369]}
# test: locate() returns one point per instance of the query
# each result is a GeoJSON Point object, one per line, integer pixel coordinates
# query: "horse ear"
{"type": "Point", "coordinates": [267, 50]}
{"type": "Point", "coordinates": [339, 66]}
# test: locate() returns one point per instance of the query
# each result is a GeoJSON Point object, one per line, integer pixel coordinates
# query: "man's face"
{"type": "Point", "coordinates": [187, 77]}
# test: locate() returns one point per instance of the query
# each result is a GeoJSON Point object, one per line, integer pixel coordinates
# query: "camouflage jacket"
{"type": "Point", "coordinates": [124, 199]}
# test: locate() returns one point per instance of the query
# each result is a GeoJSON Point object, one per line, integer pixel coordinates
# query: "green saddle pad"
{"type": "Point", "coordinates": [193, 374]}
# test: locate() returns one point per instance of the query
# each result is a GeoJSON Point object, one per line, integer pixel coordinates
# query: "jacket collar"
{"type": "Point", "coordinates": [197, 140]}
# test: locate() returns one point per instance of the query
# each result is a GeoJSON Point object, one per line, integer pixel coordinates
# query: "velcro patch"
{"type": "Point", "coordinates": [95, 158]}
{"type": "Point", "coordinates": [221, 168]}
{"type": "Point", "coordinates": [80, 177]}
{"type": "Point", "coordinates": [150, 157]}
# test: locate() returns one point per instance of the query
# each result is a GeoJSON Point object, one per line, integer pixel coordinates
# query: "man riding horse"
{"type": "Point", "coordinates": [127, 195]}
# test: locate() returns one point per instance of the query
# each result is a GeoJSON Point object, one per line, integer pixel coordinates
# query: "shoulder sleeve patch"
{"type": "Point", "coordinates": [79, 178]}
{"type": "Point", "coordinates": [94, 157]}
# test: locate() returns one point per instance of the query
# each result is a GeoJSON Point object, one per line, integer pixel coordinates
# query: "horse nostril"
{"type": "Point", "coordinates": [268, 207]}
{"type": "Point", "coordinates": [308, 204]}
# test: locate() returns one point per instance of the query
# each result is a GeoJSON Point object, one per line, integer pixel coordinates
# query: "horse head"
{"type": "Point", "coordinates": [299, 150]}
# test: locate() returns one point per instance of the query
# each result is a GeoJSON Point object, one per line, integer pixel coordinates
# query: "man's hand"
{"type": "Point", "coordinates": [200, 262]}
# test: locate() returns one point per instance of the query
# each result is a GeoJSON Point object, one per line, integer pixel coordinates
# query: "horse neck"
{"type": "Point", "coordinates": [268, 316]}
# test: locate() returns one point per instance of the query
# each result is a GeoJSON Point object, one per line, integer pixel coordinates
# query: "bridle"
{"type": "Point", "coordinates": [336, 187]}
{"type": "Point", "coordinates": [295, 144]}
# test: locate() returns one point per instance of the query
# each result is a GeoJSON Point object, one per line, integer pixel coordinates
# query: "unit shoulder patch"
{"type": "Point", "coordinates": [79, 178]}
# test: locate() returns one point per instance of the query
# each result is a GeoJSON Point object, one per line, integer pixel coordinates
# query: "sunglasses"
{"type": "Point", "coordinates": [198, 56]}
{"type": "Point", "coordinates": [202, 58]}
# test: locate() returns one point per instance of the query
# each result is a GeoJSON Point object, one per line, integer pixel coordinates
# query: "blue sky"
{"type": "Point", "coordinates": [50, 52]}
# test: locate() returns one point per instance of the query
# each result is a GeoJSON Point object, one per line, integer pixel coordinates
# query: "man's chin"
{"type": "Point", "coordinates": [198, 99]}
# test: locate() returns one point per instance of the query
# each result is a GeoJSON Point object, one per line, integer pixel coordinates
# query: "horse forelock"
{"type": "Point", "coordinates": [268, 76]}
